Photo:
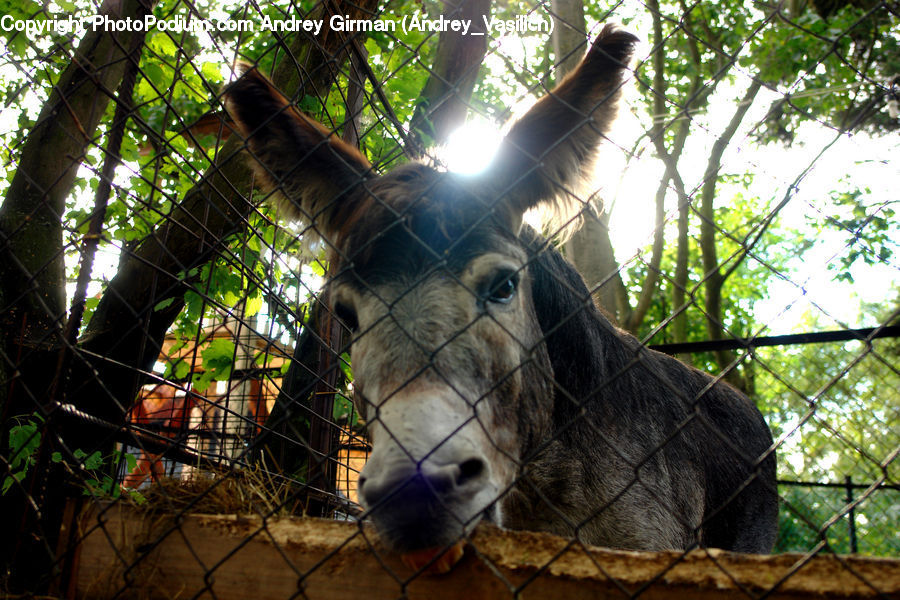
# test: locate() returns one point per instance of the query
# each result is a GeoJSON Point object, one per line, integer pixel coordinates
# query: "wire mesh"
{"type": "Point", "coordinates": [177, 338]}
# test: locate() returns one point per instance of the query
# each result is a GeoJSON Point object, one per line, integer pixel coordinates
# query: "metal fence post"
{"type": "Point", "coordinates": [851, 515]}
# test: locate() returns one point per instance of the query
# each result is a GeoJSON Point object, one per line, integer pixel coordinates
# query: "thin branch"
{"type": "Point", "coordinates": [710, 179]}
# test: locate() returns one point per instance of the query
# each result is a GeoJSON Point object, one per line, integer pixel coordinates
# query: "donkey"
{"type": "Point", "coordinates": [491, 385]}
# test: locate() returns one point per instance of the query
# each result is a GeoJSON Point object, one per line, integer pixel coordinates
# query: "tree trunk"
{"type": "Point", "coordinates": [445, 98]}
{"type": "Point", "coordinates": [589, 248]}
{"type": "Point", "coordinates": [354, 101]}
{"type": "Point", "coordinates": [126, 332]}
{"type": "Point", "coordinates": [32, 268]}
{"type": "Point", "coordinates": [680, 280]}
{"type": "Point", "coordinates": [569, 37]}
{"type": "Point", "coordinates": [592, 253]}
{"type": "Point", "coordinates": [696, 97]}
{"type": "Point", "coordinates": [714, 280]}
{"type": "Point", "coordinates": [32, 286]}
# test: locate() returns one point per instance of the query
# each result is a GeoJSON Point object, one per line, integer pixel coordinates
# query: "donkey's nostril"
{"type": "Point", "coordinates": [469, 470]}
{"type": "Point", "coordinates": [405, 483]}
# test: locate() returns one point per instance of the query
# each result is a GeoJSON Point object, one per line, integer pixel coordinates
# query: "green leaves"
{"type": "Point", "coordinates": [24, 441]}
{"type": "Point", "coordinates": [838, 405]}
{"type": "Point", "coordinates": [218, 361]}
{"type": "Point", "coordinates": [868, 226]}
{"type": "Point", "coordinates": [99, 481]}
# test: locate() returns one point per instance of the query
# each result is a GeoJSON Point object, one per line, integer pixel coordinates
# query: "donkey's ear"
{"type": "Point", "coordinates": [552, 147]}
{"type": "Point", "coordinates": [294, 156]}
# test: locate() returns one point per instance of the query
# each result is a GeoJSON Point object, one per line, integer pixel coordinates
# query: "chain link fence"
{"type": "Point", "coordinates": [274, 261]}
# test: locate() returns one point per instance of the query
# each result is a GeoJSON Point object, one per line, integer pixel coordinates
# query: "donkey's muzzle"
{"type": "Point", "coordinates": [425, 505]}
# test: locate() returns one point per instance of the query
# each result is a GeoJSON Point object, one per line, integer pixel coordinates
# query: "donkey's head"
{"type": "Point", "coordinates": [450, 371]}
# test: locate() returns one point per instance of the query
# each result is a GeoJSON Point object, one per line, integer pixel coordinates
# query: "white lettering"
{"type": "Point", "coordinates": [436, 25]}
{"type": "Point", "coordinates": [345, 23]}
{"type": "Point", "coordinates": [292, 25]}
{"type": "Point", "coordinates": [521, 24]}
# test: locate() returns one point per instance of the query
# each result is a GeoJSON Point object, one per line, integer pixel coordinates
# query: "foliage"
{"type": "Point", "coordinates": [834, 67]}
{"type": "Point", "coordinates": [97, 472]}
{"type": "Point", "coordinates": [100, 473]}
{"type": "Point", "coordinates": [837, 407]}
{"type": "Point", "coordinates": [24, 442]}
{"type": "Point", "coordinates": [834, 404]}
{"type": "Point", "coordinates": [807, 519]}
{"type": "Point", "coordinates": [868, 225]}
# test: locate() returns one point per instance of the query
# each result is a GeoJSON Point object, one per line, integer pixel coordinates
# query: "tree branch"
{"type": "Point", "coordinates": [714, 279]}
{"type": "Point", "coordinates": [444, 100]}
{"type": "Point", "coordinates": [126, 328]}
{"type": "Point", "coordinates": [32, 269]}
{"type": "Point", "coordinates": [648, 288]}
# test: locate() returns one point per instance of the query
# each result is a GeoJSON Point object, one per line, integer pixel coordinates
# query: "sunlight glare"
{"type": "Point", "coordinates": [470, 148]}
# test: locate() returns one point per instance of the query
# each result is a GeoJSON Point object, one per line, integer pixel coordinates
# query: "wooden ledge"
{"type": "Point", "coordinates": [130, 553]}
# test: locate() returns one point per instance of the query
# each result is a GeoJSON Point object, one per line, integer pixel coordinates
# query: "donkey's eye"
{"type": "Point", "coordinates": [503, 287]}
{"type": "Point", "coordinates": [347, 316]}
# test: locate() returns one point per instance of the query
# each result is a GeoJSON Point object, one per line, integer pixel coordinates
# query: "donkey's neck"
{"type": "Point", "coordinates": [586, 350]}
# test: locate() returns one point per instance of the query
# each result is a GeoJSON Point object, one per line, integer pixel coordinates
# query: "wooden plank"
{"type": "Point", "coordinates": [135, 554]}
